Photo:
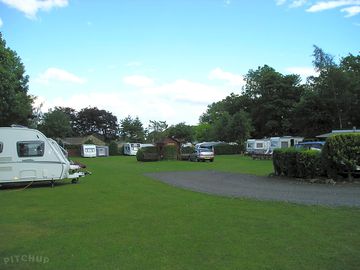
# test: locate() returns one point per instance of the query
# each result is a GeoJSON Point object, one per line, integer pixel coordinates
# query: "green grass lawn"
{"type": "Point", "coordinates": [119, 219]}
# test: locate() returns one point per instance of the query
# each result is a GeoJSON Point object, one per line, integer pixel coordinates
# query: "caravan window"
{"type": "Point", "coordinates": [259, 145]}
{"type": "Point", "coordinates": [30, 149]}
{"type": "Point", "coordinates": [1, 147]}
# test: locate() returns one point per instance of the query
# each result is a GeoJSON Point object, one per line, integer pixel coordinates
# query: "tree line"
{"type": "Point", "coordinates": [270, 104]}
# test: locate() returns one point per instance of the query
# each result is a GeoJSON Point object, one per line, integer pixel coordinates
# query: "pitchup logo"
{"type": "Point", "coordinates": [26, 258]}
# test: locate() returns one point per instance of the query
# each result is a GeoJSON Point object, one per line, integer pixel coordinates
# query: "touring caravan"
{"type": "Point", "coordinates": [88, 150]}
{"type": "Point", "coordinates": [257, 146]}
{"type": "Point", "coordinates": [27, 155]}
{"type": "Point", "coordinates": [284, 142]}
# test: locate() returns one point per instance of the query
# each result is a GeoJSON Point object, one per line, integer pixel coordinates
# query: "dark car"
{"type": "Point", "coordinates": [202, 154]}
{"type": "Point", "coordinates": [315, 145]}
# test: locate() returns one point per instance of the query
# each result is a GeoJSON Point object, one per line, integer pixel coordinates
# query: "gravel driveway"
{"type": "Point", "coordinates": [263, 188]}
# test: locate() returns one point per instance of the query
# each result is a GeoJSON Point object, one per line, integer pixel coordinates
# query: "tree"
{"type": "Point", "coordinates": [132, 130]}
{"type": "Point", "coordinates": [273, 100]}
{"type": "Point", "coordinates": [15, 103]}
{"type": "Point", "coordinates": [55, 124]}
{"type": "Point", "coordinates": [73, 118]}
{"type": "Point", "coordinates": [180, 131]}
{"type": "Point", "coordinates": [101, 122]}
{"type": "Point", "coordinates": [203, 132]}
{"type": "Point", "coordinates": [155, 131]}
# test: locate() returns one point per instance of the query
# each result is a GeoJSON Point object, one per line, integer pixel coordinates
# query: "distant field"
{"type": "Point", "coordinates": [119, 219]}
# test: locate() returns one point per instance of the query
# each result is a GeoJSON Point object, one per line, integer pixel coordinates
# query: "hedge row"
{"type": "Point", "coordinates": [227, 149]}
{"type": "Point", "coordinates": [149, 153]}
{"type": "Point", "coordinates": [169, 152]}
{"type": "Point", "coordinates": [339, 156]}
{"type": "Point", "coordinates": [297, 163]}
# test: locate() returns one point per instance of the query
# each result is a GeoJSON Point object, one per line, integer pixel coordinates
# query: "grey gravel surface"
{"type": "Point", "coordinates": [263, 188]}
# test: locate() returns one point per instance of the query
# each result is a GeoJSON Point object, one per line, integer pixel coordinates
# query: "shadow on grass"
{"type": "Point", "coordinates": [28, 185]}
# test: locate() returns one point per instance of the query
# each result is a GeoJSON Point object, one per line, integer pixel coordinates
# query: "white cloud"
{"type": "Point", "coordinates": [138, 81]}
{"type": "Point", "coordinates": [298, 3]}
{"type": "Point", "coordinates": [56, 74]}
{"type": "Point", "coordinates": [351, 11]}
{"type": "Point", "coordinates": [174, 102]}
{"type": "Point", "coordinates": [280, 2]}
{"type": "Point", "coordinates": [304, 72]}
{"type": "Point", "coordinates": [31, 7]}
{"type": "Point", "coordinates": [1, 22]}
{"type": "Point", "coordinates": [326, 5]}
{"type": "Point", "coordinates": [134, 64]}
{"type": "Point", "coordinates": [232, 79]}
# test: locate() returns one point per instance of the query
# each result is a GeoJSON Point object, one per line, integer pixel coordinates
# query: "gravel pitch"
{"type": "Point", "coordinates": [263, 188]}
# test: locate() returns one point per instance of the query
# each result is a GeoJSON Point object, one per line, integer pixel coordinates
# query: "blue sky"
{"type": "Point", "coordinates": [167, 60]}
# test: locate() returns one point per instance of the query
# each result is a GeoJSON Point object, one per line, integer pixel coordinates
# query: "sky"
{"type": "Point", "coordinates": [167, 60]}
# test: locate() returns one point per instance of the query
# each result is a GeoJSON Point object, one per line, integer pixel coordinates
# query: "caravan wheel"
{"type": "Point", "coordinates": [74, 181]}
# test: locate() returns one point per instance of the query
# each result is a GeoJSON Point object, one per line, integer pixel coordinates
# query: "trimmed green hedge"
{"type": "Point", "coordinates": [149, 153]}
{"type": "Point", "coordinates": [227, 149]}
{"type": "Point", "coordinates": [170, 152]}
{"type": "Point", "coordinates": [297, 163]}
{"type": "Point", "coordinates": [341, 154]}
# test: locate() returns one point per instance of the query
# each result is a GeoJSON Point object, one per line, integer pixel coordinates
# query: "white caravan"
{"type": "Point", "coordinates": [257, 146]}
{"type": "Point", "coordinates": [88, 150]}
{"type": "Point", "coordinates": [131, 149]}
{"type": "Point", "coordinates": [284, 142]}
{"type": "Point", "coordinates": [27, 155]}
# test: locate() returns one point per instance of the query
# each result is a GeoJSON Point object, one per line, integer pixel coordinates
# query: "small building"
{"type": "Point", "coordinates": [73, 144]}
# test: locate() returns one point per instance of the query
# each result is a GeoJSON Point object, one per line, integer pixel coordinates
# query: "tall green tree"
{"type": "Point", "coordinates": [180, 131]}
{"type": "Point", "coordinates": [55, 124]}
{"type": "Point", "coordinates": [132, 130]}
{"type": "Point", "coordinates": [92, 120]}
{"type": "Point", "coordinates": [273, 100]}
{"type": "Point", "coordinates": [15, 102]}
{"type": "Point", "coordinates": [156, 131]}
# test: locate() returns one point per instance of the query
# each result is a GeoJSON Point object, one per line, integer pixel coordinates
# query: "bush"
{"type": "Point", "coordinates": [186, 151]}
{"type": "Point", "coordinates": [341, 154]}
{"type": "Point", "coordinates": [113, 149]}
{"type": "Point", "coordinates": [149, 153]}
{"type": "Point", "coordinates": [170, 152]}
{"type": "Point", "coordinates": [227, 149]}
{"type": "Point", "coordinates": [309, 164]}
{"type": "Point", "coordinates": [297, 163]}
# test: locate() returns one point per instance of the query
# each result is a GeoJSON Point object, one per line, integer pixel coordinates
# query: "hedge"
{"type": "Point", "coordinates": [227, 149]}
{"type": "Point", "coordinates": [297, 163]}
{"type": "Point", "coordinates": [113, 149]}
{"type": "Point", "coordinates": [149, 153]}
{"type": "Point", "coordinates": [341, 154]}
{"type": "Point", "coordinates": [169, 152]}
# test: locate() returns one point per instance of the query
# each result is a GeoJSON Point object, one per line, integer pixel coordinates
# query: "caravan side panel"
{"type": "Point", "coordinates": [27, 155]}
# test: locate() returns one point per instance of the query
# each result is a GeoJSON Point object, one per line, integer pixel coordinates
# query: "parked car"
{"type": "Point", "coordinates": [316, 145]}
{"type": "Point", "coordinates": [202, 154]}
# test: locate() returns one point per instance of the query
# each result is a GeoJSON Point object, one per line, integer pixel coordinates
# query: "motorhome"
{"type": "Point", "coordinates": [88, 150]}
{"type": "Point", "coordinates": [27, 155]}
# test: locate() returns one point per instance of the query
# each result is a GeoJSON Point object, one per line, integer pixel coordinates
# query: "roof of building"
{"type": "Point", "coordinates": [333, 132]}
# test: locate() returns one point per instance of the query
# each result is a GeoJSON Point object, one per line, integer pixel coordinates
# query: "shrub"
{"type": "Point", "coordinates": [297, 163]}
{"type": "Point", "coordinates": [170, 152]}
{"type": "Point", "coordinates": [309, 164]}
{"type": "Point", "coordinates": [227, 149]}
{"type": "Point", "coordinates": [113, 149]}
{"type": "Point", "coordinates": [149, 153]}
{"type": "Point", "coordinates": [341, 154]}
{"type": "Point", "coordinates": [186, 151]}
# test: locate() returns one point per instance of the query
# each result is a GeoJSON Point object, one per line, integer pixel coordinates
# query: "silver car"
{"type": "Point", "coordinates": [202, 154]}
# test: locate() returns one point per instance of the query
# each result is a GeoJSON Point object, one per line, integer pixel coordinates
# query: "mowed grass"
{"type": "Point", "coordinates": [119, 219]}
